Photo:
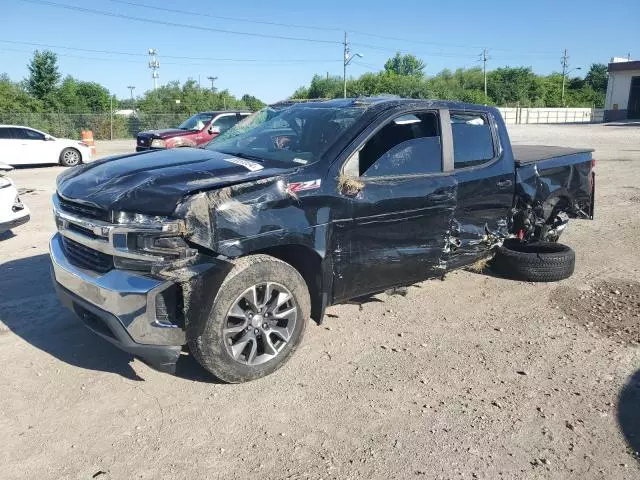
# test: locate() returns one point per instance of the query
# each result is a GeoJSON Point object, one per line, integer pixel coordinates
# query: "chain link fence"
{"type": "Point", "coordinates": [103, 125]}
{"type": "Point", "coordinates": [106, 127]}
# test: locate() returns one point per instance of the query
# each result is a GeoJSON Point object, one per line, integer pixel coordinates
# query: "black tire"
{"type": "Point", "coordinates": [210, 349]}
{"type": "Point", "coordinates": [70, 157]}
{"type": "Point", "coordinates": [534, 262]}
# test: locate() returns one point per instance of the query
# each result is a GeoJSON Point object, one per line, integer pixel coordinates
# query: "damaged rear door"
{"type": "Point", "coordinates": [483, 169]}
{"type": "Point", "coordinates": [400, 205]}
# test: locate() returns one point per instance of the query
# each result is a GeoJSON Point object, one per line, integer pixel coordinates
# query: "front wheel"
{"type": "Point", "coordinates": [70, 157]}
{"type": "Point", "coordinates": [257, 320]}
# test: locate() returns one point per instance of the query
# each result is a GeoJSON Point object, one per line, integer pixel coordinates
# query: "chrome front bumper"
{"type": "Point", "coordinates": [128, 297]}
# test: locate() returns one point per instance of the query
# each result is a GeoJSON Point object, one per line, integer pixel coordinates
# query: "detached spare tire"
{"type": "Point", "coordinates": [534, 262]}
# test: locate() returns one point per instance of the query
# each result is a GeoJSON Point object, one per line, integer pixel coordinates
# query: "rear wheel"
{"type": "Point", "coordinates": [534, 262]}
{"type": "Point", "coordinates": [257, 320]}
{"type": "Point", "coordinates": [70, 157]}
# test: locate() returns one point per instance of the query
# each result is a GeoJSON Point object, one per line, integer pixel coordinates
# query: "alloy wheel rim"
{"type": "Point", "coordinates": [260, 323]}
{"type": "Point", "coordinates": [71, 157]}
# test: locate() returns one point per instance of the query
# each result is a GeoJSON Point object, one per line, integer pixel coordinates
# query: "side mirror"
{"type": "Point", "coordinates": [47, 137]}
{"type": "Point", "coordinates": [214, 130]}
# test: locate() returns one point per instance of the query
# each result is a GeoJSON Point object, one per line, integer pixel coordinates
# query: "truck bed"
{"type": "Point", "coordinates": [524, 154]}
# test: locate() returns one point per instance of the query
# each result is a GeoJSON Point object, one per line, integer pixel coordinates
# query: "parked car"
{"type": "Point", "coordinates": [27, 146]}
{"type": "Point", "coordinates": [13, 212]}
{"type": "Point", "coordinates": [232, 248]}
{"type": "Point", "coordinates": [196, 131]}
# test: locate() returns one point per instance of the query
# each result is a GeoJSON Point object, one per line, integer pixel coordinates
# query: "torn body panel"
{"type": "Point", "coordinates": [551, 189]}
{"type": "Point", "coordinates": [395, 234]}
{"type": "Point", "coordinates": [251, 216]}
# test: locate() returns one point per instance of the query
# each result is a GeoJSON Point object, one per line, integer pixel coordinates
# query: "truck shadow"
{"type": "Point", "coordinates": [30, 309]}
{"type": "Point", "coordinates": [629, 414]}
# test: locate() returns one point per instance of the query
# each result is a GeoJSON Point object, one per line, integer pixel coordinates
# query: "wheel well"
{"type": "Point", "coordinates": [309, 265]}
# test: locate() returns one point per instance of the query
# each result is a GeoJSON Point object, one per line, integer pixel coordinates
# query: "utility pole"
{"type": "Point", "coordinates": [484, 71]}
{"type": "Point", "coordinates": [111, 120]}
{"type": "Point", "coordinates": [565, 66]}
{"type": "Point", "coordinates": [347, 60]}
{"type": "Point", "coordinates": [213, 79]}
{"type": "Point", "coordinates": [133, 102]}
{"type": "Point", "coordinates": [154, 65]}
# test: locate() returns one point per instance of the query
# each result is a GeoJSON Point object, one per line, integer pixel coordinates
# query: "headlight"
{"type": "Point", "coordinates": [153, 239]}
{"type": "Point", "coordinates": [164, 224]}
{"type": "Point", "coordinates": [5, 182]}
{"type": "Point", "coordinates": [158, 143]}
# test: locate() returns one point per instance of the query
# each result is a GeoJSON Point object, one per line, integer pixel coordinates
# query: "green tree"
{"type": "Point", "coordinates": [14, 99]}
{"type": "Point", "coordinates": [43, 74]}
{"type": "Point", "coordinates": [254, 104]}
{"type": "Point", "coordinates": [597, 77]}
{"type": "Point", "coordinates": [406, 65]}
{"type": "Point", "coordinates": [75, 96]}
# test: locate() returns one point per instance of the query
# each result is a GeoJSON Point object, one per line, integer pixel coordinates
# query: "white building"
{"type": "Point", "coordinates": [623, 90]}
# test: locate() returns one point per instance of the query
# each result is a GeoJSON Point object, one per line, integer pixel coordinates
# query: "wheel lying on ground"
{"type": "Point", "coordinates": [534, 262]}
{"type": "Point", "coordinates": [70, 157]}
{"type": "Point", "coordinates": [257, 320]}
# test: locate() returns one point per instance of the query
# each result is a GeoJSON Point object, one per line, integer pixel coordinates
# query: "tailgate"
{"type": "Point", "coordinates": [557, 178]}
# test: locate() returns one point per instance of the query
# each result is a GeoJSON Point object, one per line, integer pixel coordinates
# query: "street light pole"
{"type": "Point", "coordinates": [213, 79]}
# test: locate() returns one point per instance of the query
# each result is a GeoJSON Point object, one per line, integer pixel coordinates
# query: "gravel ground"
{"type": "Point", "coordinates": [473, 377]}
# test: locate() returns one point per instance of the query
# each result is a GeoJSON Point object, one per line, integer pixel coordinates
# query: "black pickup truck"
{"type": "Point", "coordinates": [232, 248]}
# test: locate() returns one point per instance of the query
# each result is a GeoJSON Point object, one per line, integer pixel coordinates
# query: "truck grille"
{"type": "Point", "coordinates": [85, 257]}
{"type": "Point", "coordinates": [83, 210]}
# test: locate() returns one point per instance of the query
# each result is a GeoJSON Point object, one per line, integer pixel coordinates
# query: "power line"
{"type": "Point", "coordinates": [234, 19]}
{"type": "Point", "coordinates": [113, 52]}
{"type": "Point", "coordinates": [176, 24]}
{"type": "Point", "coordinates": [366, 65]}
{"type": "Point", "coordinates": [262, 35]}
{"type": "Point", "coordinates": [315, 27]}
{"type": "Point", "coordinates": [394, 50]}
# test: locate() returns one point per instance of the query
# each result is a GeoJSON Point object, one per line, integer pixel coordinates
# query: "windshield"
{"type": "Point", "coordinates": [300, 134]}
{"type": "Point", "coordinates": [197, 122]}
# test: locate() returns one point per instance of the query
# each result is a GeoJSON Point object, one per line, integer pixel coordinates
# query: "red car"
{"type": "Point", "coordinates": [197, 130]}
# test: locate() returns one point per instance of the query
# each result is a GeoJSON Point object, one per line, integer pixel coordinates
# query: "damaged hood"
{"type": "Point", "coordinates": [155, 182]}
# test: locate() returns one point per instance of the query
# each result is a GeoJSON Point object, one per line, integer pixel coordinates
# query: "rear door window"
{"type": "Point", "coordinates": [27, 134]}
{"type": "Point", "coordinates": [408, 145]}
{"type": "Point", "coordinates": [472, 139]}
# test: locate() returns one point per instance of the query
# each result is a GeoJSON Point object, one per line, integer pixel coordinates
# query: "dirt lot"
{"type": "Point", "coordinates": [474, 377]}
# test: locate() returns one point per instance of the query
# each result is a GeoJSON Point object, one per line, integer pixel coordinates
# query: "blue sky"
{"type": "Point", "coordinates": [447, 34]}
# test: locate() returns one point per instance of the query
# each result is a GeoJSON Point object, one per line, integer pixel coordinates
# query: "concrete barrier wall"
{"type": "Point", "coordinates": [514, 115]}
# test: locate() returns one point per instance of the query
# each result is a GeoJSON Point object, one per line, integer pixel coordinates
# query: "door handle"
{"type": "Point", "coordinates": [504, 183]}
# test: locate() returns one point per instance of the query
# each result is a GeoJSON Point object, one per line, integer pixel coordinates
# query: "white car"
{"type": "Point", "coordinates": [27, 146]}
{"type": "Point", "coordinates": [12, 211]}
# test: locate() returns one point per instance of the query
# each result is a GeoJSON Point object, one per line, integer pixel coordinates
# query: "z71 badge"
{"type": "Point", "coordinates": [302, 186]}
